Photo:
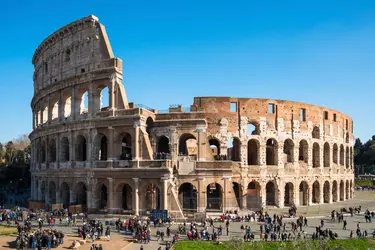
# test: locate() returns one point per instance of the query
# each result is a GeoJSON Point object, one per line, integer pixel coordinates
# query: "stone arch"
{"type": "Point", "coordinates": [188, 197]}
{"type": "Point", "coordinates": [342, 190]}
{"type": "Point", "coordinates": [214, 197]}
{"type": "Point", "coordinates": [253, 128]}
{"type": "Point", "coordinates": [126, 146]}
{"type": "Point", "coordinates": [316, 155]}
{"type": "Point", "coordinates": [288, 151]}
{"type": "Point", "coordinates": [103, 196]}
{"type": "Point", "coordinates": [64, 153]}
{"type": "Point", "coordinates": [335, 153]}
{"type": "Point", "coordinates": [347, 189]}
{"type": "Point", "coordinates": [271, 195]}
{"type": "Point", "coordinates": [347, 158]}
{"type": "Point", "coordinates": [65, 194]}
{"type": "Point", "coordinates": [316, 192]}
{"type": "Point", "coordinates": [334, 191]}
{"type": "Point", "coordinates": [253, 152]}
{"type": "Point", "coordinates": [289, 194]}
{"type": "Point", "coordinates": [326, 155]}
{"type": "Point", "coordinates": [152, 197]}
{"type": "Point", "coordinates": [214, 147]}
{"type": "Point", "coordinates": [52, 193]}
{"type": "Point", "coordinates": [81, 148]}
{"type": "Point", "coordinates": [342, 153]}
{"type": "Point", "coordinates": [234, 149]}
{"type": "Point", "coordinates": [126, 192]}
{"type": "Point", "coordinates": [149, 126]}
{"type": "Point", "coordinates": [303, 151]}
{"type": "Point", "coordinates": [52, 151]}
{"type": "Point", "coordinates": [253, 197]}
{"type": "Point", "coordinates": [271, 152]}
{"type": "Point", "coordinates": [101, 147]}
{"type": "Point", "coordinates": [163, 145]}
{"type": "Point", "coordinates": [316, 133]}
{"type": "Point", "coordinates": [187, 145]}
{"type": "Point", "coordinates": [304, 193]}
{"type": "Point", "coordinates": [43, 152]}
{"type": "Point", "coordinates": [326, 192]}
{"type": "Point", "coordinates": [81, 195]}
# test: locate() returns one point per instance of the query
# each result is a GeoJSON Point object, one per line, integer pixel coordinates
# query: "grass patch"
{"type": "Point", "coordinates": [354, 244]}
{"type": "Point", "coordinates": [363, 182]}
{"type": "Point", "coordinates": [4, 230]}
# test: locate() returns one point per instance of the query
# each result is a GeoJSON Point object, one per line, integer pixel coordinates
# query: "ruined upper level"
{"type": "Point", "coordinates": [76, 49]}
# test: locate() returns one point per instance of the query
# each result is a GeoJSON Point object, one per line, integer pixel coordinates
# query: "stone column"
{"type": "Point", "coordinates": [262, 154]}
{"type": "Point", "coordinates": [89, 200]}
{"type": "Point", "coordinates": [112, 101]}
{"type": "Point", "coordinates": [135, 142]}
{"type": "Point", "coordinates": [309, 196]}
{"type": "Point", "coordinates": [72, 196]}
{"type": "Point", "coordinates": [244, 183]}
{"type": "Point", "coordinates": [32, 188]}
{"type": "Point", "coordinates": [330, 200]}
{"type": "Point", "coordinates": [321, 191]}
{"type": "Point", "coordinates": [42, 111]}
{"type": "Point", "coordinates": [263, 194]}
{"type": "Point", "coordinates": [60, 107]}
{"type": "Point", "coordinates": [165, 193]}
{"type": "Point", "coordinates": [310, 156]}
{"type": "Point", "coordinates": [58, 196]}
{"type": "Point", "coordinates": [49, 119]}
{"type": "Point", "coordinates": [110, 194]}
{"type": "Point", "coordinates": [71, 146]}
{"type": "Point", "coordinates": [226, 199]}
{"type": "Point", "coordinates": [58, 150]}
{"type": "Point", "coordinates": [136, 196]}
{"type": "Point", "coordinates": [73, 104]}
{"type": "Point", "coordinates": [201, 199]}
{"type": "Point", "coordinates": [296, 193]}
{"type": "Point", "coordinates": [110, 152]}
{"type": "Point", "coordinates": [280, 189]}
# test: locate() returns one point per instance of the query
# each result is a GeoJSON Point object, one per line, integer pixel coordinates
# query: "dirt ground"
{"type": "Point", "coordinates": [116, 243]}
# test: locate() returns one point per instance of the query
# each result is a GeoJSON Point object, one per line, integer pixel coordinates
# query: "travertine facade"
{"type": "Point", "coordinates": [222, 154]}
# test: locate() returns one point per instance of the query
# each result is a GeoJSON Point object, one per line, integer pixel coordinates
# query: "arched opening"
{"type": "Point", "coordinates": [188, 145]}
{"type": "Point", "coordinates": [347, 137]}
{"type": "Point", "coordinates": [234, 149]}
{"type": "Point", "coordinates": [351, 157]}
{"type": "Point", "coordinates": [303, 151]}
{"type": "Point", "coordinates": [103, 197]}
{"type": "Point", "coordinates": [55, 111]}
{"type": "Point", "coordinates": [43, 152]}
{"type": "Point", "coordinates": [84, 105]}
{"type": "Point", "coordinates": [149, 127]}
{"type": "Point", "coordinates": [238, 194]}
{"type": "Point", "coordinates": [43, 192]}
{"type": "Point", "coordinates": [152, 197]}
{"type": "Point", "coordinates": [351, 189]}
{"type": "Point", "coordinates": [126, 197]}
{"type": "Point", "coordinates": [52, 151]}
{"type": "Point", "coordinates": [188, 197]}
{"type": "Point", "coordinates": [334, 191]}
{"type": "Point", "coordinates": [253, 152]}
{"type": "Point", "coordinates": [81, 195]}
{"type": "Point", "coordinates": [104, 99]}
{"type": "Point", "coordinates": [316, 192]}
{"type": "Point", "coordinates": [126, 147]}
{"type": "Point", "coordinates": [342, 153]}
{"type": "Point", "coordinates": [347, 158]}
{"type": "Point", "coordinates": [303, 193]}
{"type": "Point", "coordinates": [316, 155]}
{"type": "Point", "coordinates": [252, 128]}
{"type": "Point", "coordinates": [342, 191]}
{"type": "Point", "coordinates": [270, 194]}
{"type": "Point", "coordinates": [347, 189]}
{"type": "Point", "coordinates": [163, 145]}
{"type": "Point", "coordinates": [326, 155]}
{"type": "Point", "coordinates": [101, 146]}
{"type": "Point", "coordinates": [289, 194]}
{"type": "Point", "coordinates": [52, 193]}
{"type": "Point", "coordinates": [214, 148]}
{"type": "Point", "coordinates": [214, 197]}
{"type": "Point", "coordinates": [316, 133]}
{"type": "Point", "coordinates": [326, 192]}
{"type": "Point", "coordinates": [81, 150]}
{"type": "Point", "coordinates": [64, 154]}
{"type": "Point", "coordinates": [65, 195]}
{"type": "Point", "coordinates": [45, 115]}
{"type": "Point", "coordinates": [253, 198]}
{"type": "Point", "coordinates": [288, 151]}
{"type": "Point", "coordinates": [335, 153]}
{"type": "Point", "coordinates": [271, 152]}
{"type": "Point", "coordinates": [67, 107]}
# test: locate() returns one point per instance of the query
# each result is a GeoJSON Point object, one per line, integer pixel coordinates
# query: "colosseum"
{"type": "Point", "coordinates": [219, 154]}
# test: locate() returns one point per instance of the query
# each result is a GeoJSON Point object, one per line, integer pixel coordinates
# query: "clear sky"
{"type": "Point", "coordinates": [319, 52]}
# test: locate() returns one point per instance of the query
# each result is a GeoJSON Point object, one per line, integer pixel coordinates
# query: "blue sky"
{"type": "Point", "coordinates": [322, 52]}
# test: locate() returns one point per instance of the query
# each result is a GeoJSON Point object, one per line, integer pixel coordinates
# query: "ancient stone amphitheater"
{"type": "Point", "coordinates": [220, 154]}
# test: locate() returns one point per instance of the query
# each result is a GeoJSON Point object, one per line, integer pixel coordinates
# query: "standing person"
{"type": "Point", "coordinates": [108, 233]}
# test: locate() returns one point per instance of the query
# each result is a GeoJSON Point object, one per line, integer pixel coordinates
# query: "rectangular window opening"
{"type": "Point", "coordinates": [334, 118]}
{"type": "Point", "coordinates": [233, 107]}
{"type": "Point", "coordinates": [302, 115]}
{"type": "Point", "coordinates": [325, 115]}
{"type": "Point", "coordinates": [271, 108]}
{"type": "Point", "coordinates": [346, 124]}
{"type": "Point", "coordinates": [82, 70]}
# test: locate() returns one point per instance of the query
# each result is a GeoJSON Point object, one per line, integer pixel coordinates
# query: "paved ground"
{"type": "Point", "coordinates": [314, 214]}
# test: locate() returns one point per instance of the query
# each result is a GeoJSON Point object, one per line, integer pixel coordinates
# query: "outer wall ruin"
{"type": "Point", "coordinates": [222, 154]}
